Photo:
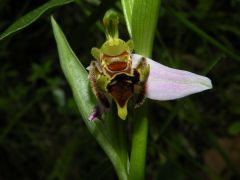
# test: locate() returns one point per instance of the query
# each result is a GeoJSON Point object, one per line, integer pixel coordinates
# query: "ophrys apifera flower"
{"type": "Point", "coordinates": [119, 75]}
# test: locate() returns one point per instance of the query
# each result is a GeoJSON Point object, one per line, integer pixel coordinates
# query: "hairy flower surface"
{"type": "Point", "coordinates": [120, 75]}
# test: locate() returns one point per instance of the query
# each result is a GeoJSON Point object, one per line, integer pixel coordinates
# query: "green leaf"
{"type": "Point", "coordinates": [144, 21]}
{"type": "Point", "coordinates": [32, 16]}
{"type": "Point", "coordinates": [127, 10]}
{"type": "Point", "coordinates": [77, 77]}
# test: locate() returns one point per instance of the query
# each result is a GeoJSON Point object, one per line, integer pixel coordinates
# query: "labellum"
{"type": "Point", "coordinates": [112, 75]}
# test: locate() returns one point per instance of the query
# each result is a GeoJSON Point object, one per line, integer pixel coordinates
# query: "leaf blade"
{"type": "Point", "coordinates": [77, 77]}
{"type": "Point", "coordinates": [144, 21]}
{"type": "Point", "coordinates": [127, 10]}
{"type": "Point", "coordinates": [32, 16]}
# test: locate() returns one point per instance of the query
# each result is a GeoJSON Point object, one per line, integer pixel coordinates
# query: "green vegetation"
{"type": "Point", "coordinates": [42, 133]}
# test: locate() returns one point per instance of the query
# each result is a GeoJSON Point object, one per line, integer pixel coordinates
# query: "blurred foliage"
{"type": "Point", "coordinates": [42, 135]}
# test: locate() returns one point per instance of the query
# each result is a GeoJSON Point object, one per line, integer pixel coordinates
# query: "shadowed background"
{"type": "Point", "coordinates": [42, 135]}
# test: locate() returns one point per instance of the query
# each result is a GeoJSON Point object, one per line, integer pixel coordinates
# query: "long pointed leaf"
{"type": "Point", "coordinates": [76, 76]}
{"type": "Point", "coordinates": [32, 16]}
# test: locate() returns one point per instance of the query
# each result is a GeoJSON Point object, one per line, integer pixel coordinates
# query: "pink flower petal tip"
{"type": "Point", "coordinates": [165, 83]}
{"type": "Point", "coordinates": [97, 112]}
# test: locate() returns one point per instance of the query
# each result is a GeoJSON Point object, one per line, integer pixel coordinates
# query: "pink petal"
{"type": "Point", "coordinates": [165, 83]}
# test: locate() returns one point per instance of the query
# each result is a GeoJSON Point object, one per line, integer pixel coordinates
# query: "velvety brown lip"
{"type": "Point", "coordinates": [117, 66]}
{"type": "Point", "coordinates": [122, 89]}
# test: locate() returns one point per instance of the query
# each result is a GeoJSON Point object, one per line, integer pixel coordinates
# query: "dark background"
{"type": "Point", "coordinates": [42, 135]}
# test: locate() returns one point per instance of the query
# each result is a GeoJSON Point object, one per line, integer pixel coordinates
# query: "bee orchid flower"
{"type": "Point", "coordinates": [165, 83]}
{"type": "Point", "coordinates": [119, 74]}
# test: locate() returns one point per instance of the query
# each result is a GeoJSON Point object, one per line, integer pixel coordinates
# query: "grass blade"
{"type": "Point", "coordinates": [32, 16]}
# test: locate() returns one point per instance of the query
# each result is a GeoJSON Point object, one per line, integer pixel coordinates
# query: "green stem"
{"type": "Point", "coordinates": [143, 25]}
{"type": "Point", "coordinates": [116, 130]}
{"type": "Point", "coordinates": [139, 144]}
{"type": "Point", "coordinates": [122, 144]}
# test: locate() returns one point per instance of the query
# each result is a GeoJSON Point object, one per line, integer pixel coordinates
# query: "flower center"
{"type": "Point", "coordinates": [117, 66]}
